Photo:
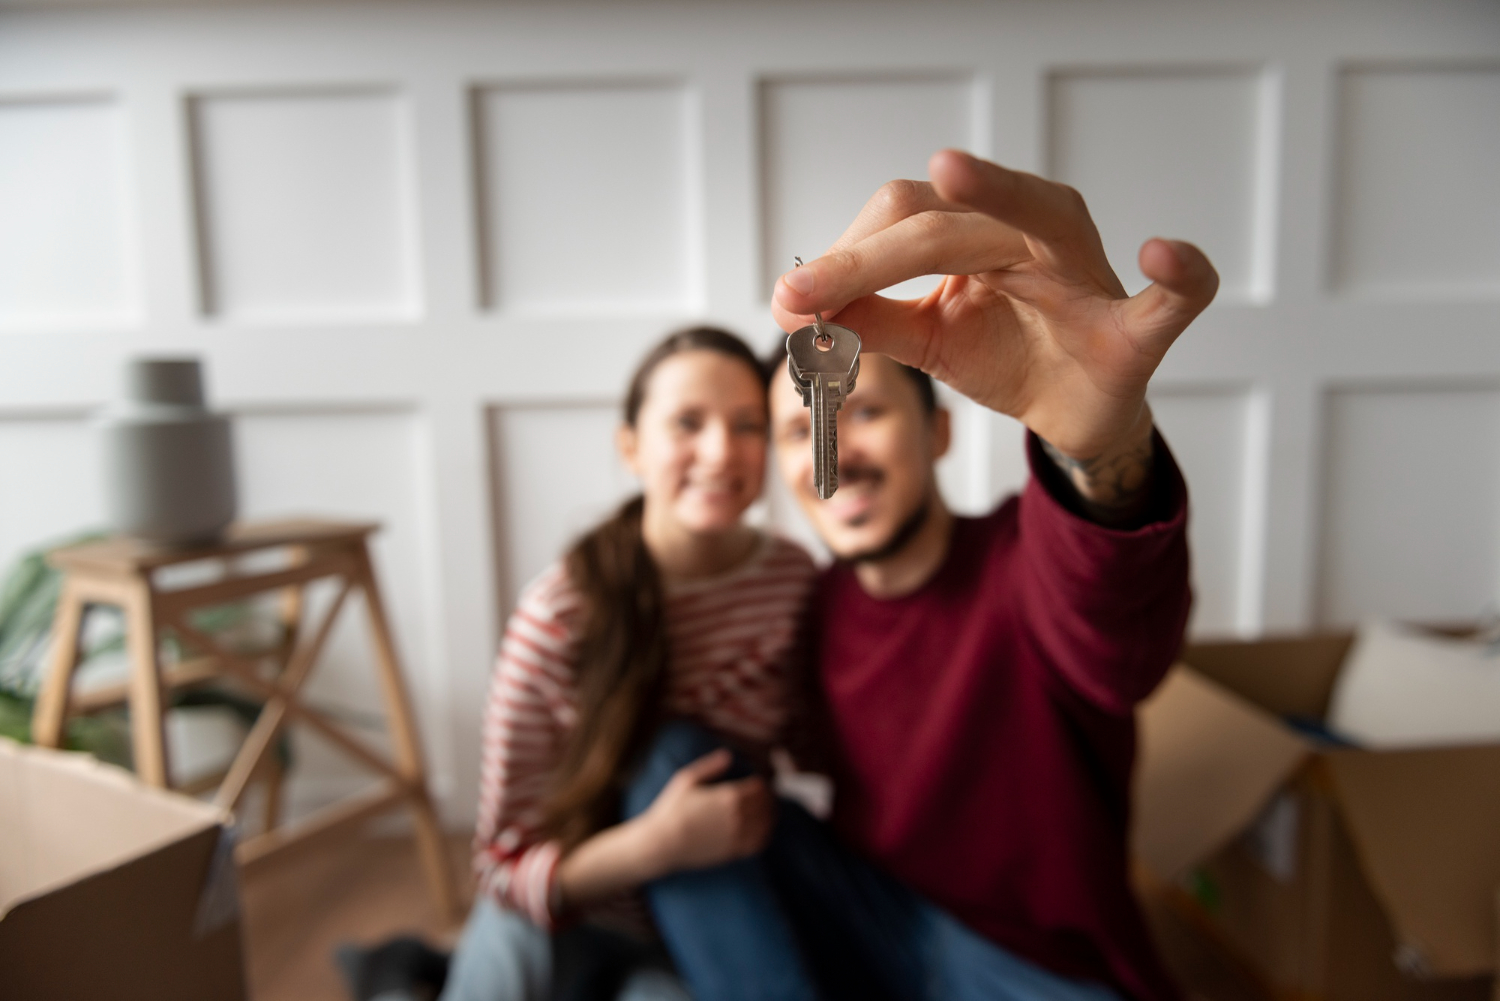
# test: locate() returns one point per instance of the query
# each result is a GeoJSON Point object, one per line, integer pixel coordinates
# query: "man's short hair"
{"type": "Point", "coordinates": [775, 366]}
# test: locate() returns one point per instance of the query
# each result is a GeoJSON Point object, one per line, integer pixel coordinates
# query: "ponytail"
{"type": "Point", "coordinates": [621, 661]}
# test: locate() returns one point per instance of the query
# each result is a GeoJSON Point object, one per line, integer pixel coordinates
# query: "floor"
{"type": "Point", "coordinates": [365, 891]}
{"type": "Point", "coordinates": [370, 889]}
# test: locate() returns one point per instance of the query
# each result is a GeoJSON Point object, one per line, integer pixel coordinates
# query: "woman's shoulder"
{"type": "Point", "coordinates": [551, 597]}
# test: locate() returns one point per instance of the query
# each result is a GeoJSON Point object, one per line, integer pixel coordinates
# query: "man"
{"type": "Point", "coordinates": [980, 675]}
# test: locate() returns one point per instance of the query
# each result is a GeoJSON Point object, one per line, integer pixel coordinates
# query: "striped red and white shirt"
{"type": "Point", "coordinates": [730, 642]}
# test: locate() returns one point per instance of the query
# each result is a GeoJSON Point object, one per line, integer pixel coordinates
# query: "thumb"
{"type": "Point", "coordinates": [710, 766]}
{"type": "Point", "coordinates": [1183, 283]}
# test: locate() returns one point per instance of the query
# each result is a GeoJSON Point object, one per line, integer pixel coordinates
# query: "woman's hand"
{"type": "Point", "coordinates": [692, 825]}
{"type": "Point", "coordinates": [695, 823]}
{"type": "Point", "coordinates": [1031, 321]}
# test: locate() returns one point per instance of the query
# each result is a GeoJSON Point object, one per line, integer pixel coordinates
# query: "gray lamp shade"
{"type": "Point", "coordinates": [169, 462]}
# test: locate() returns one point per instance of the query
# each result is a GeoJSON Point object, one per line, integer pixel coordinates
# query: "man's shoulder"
{"type": "Point", "coordinates": [998, 519]}
{"type": "Point", "coordinates": [981, 538]}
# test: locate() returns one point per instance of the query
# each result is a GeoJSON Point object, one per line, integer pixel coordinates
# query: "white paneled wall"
{"type": "Point", "coordinates": [51, 476]}
{"type": "Point", "coordinates": [1419, 536]}
{"type": "Point", "coordinates": [304, 206]}
{"type": "Point", "coordinates": [554, 160]}
{"type": "Point", "coordinates": [66, 246]}
{"type": "Point", "coordinates": [556, 474]}
{"type": "Point", "coordinates": [827, 145]}
{"type": "Point", "coordinates": [420, 246]}
{"type": "Point", "coordinates": [1212, 435]}
{"type": "Point", "coordinates": [1186, 153]}
{"type": "Point", "coordinates": [1411, 137]}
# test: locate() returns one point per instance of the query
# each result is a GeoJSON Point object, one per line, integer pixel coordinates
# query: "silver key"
{"type": "Point", "coordinates": [823, 360]}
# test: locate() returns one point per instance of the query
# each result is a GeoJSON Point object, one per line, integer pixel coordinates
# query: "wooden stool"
{"type": "Point", "coordinates": [121, 572]}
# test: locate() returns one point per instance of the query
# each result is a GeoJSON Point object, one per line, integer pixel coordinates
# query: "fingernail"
{"type": "Point", "coordinates": [800, 280]}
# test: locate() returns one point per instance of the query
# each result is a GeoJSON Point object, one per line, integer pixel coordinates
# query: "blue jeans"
{"type": "Point", "coordinates": [502, 956]}
{"type": "Point", "coordinates": [806, 919]}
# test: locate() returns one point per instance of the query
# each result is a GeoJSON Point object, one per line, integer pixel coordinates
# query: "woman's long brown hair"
{"type": "Point", "coordinates": [621, 663]}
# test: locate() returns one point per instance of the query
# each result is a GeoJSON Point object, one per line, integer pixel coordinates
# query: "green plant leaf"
{"type": "Point", "coordinates": [28, 602]}
{"type": "Point", "coordinates": [106, 736]}
{"type": "Point", "coordinates": [15, 717]}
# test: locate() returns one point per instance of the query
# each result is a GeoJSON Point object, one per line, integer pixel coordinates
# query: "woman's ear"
{"type": "Point", "coordinates": [627, 443]}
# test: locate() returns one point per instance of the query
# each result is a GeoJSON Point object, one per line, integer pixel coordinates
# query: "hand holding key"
{"type": "Point", "coordinates": [1031, 321]}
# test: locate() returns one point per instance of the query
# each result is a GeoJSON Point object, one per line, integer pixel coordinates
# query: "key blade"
{"type": "Point", "coordinates": [823, 361]}
{"type": "Point", "coordinates": [825, 438]}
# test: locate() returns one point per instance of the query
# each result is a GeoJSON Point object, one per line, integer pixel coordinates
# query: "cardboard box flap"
{"type": "Point", "coordinates": [1209, 761]}
{"type": "Point", "coordinates": [1285, 676]}
{"type": "Point", "coordinates": [1426, 827]}
{"type": "Point", "coordinates": [66, 816]}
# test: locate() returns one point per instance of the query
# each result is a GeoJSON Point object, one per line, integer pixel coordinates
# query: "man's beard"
{"type": "Point", "coordinates": [898, 540]}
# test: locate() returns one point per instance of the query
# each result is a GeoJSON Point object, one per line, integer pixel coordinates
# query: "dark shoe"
{"type": "Point", "coordinates": [404, 968]}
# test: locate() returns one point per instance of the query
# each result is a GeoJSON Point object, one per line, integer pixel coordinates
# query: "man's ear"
{"type": "Point", "coordinates": [627, 443]}
{"type": "Point", "coordinates": [941, 431]}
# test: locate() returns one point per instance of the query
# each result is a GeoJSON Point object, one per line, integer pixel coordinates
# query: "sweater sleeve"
{"type": "Point", "coordinates": [1107, 606]}
{"type": "Point", "coordinates": [525, 719]}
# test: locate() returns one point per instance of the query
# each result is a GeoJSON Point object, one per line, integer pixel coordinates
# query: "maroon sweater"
{"type": "Point", "coordinates": [985, 723]}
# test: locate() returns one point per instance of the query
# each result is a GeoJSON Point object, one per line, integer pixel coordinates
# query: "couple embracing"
{"type": "Point", "coordinates": [967, 683]}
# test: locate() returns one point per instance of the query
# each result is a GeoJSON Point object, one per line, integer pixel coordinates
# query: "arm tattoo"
{"type": "Point", "coordinates": [1113, 490]}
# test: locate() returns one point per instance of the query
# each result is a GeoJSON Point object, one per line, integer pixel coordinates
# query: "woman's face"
{"type": "Point", "coordinates": [699, 441]}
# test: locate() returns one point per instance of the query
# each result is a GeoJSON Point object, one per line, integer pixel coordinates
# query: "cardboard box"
{"type": "Point", "coordinates": [1331, 872]}
{"type": "Point", "coordinates": [112, 889]}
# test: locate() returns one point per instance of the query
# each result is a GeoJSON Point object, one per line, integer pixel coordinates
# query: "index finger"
{"type": "Point", "coordinates": [928, 243]}
{"type": "Point", "coordinates": [1054, 218]}
{"type": "Point", "coordinates": [896, 200]}
{"type": "Point", "coordinates": [1044, 210]}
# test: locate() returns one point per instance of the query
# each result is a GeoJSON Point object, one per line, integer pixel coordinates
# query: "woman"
{"type": "Point", "coordinates": [672, 609]}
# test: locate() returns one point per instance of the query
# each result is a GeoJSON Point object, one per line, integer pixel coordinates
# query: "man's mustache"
{"type": "Point", "coordinates": [852, 473]}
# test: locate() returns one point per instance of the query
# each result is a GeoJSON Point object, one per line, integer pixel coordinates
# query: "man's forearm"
{"type": "Point", "coordinates": [1113, 488]}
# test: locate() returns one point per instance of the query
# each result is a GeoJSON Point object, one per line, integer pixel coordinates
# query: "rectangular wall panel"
{"type": "Point", "coordinates": [964, 473]}
{"type": "Point", "coordinates": [601, 180]}
{"type": "Point", "coordinates": [359, 466]}
{"type": "Point", "coordinates": [556, 474]}
{"type": "Point", "coordinates": [1184, 154]}
{"type": "Point", "coordinates": [67, 243]}
{"type": "Point", "coordinates": [1411, 505]}
{"type": "Point", "coordinates": [1008, 467]}
{"type": "Point", "coordinates": [822, 157]}
{"type": "Point", "coordinates": [1418, 183]}
{"type": "Point", "coordinates": [305, 203]}
{"type": "Point", "coordinates": [51, 483]}
{"type": "Point", "coordinates": [1211, 436]}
